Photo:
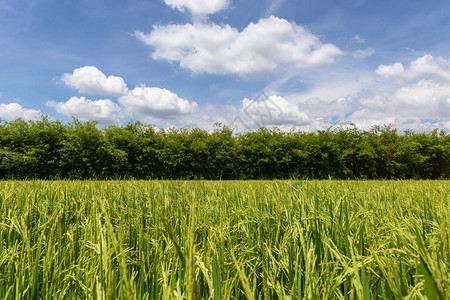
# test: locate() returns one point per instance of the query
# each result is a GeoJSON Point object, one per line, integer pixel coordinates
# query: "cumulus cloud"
{"type": "Point", "coordinates": [251, 114]}
{"type": "Point", "coordinates": [421, 102]}
{"type": "Point", "coordinates": [393, 70]}
{"type": "Point", "coordinates": [151, 103]}
{"type": "Point", "coordinates": [426, 92]}
{"type": "Point", "coordinates": [363, 53]}
{"type": "Point", "coordinates": [419, 99]}
{"type": "Point", "coordinates": [221, 49]}
{"type": "Point", "coordinates": [424, 66]}
{"type": "Point", "coordinates": [199, 7]}
{"type": "Point", "coordinates": [272, 111]}
{"type": "Point", "coordinates": [404, 113]}
{"type": "Point", "coordinates": [12, 111]}
{"type": "Point", "coordinates": [155, 102]}
{"type": "Point", "coordinates": [420, 106]}
{"type": "Point", "coordinates": [91, 80]}
{"type": "Point", "coordinates": [105, 111]}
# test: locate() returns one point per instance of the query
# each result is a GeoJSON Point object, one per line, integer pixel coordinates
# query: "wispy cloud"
{"type": "Point", "coordinates": [363, 53]}
{"type": "Point", "coordinates": [358, 39]}
{"type": "Point", "coordinates": [199, 7]}
{"type": "Point", "coordinates": [273, 7]}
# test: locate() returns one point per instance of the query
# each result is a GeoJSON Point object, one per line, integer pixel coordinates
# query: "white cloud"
{"type": "Point", "coordinates": [222, 49]}
{"type": "Point", "coordinates": [425, 93]}
{"type": "Point", "coordinates": [419, 101]}
{"type": "Point", "coordinates": [420, 106]}
{"type": "Point", "coordinates": [358, 39]}
{"type": "Point", "coordinates": [199, 7]}
{"type": "Point", "coordinates": [151, 103]}
{"type": "Point", "coordinates": [272, 111]}
{"type": "Point", "coordinates": [366, 118]}
{"type": "Point", "coordinates": [363, 53]}
{"type": "Point", "coordinates": [274, 6]}
{"type": "Point", "coordinates": [105, 111]}
{"type": "Point", "coordinates": [12, 111]}
{"type": "Point", "coordinates": [393, 70]}
{"type": "Point", "coordinates": [91, 80]}
{"type": "Point", "coordinates": [155, 102]}
{"type": "Point", "coordinates": [424, 66]}
{"type": "Point", "coordinates": [251, 114]}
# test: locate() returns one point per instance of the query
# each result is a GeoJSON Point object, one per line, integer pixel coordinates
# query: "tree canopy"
{"type": "Point", "coordinates": [50, 149]}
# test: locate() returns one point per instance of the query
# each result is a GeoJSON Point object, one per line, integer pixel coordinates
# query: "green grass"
{"type": "Point", "coordinates": [224, 240]}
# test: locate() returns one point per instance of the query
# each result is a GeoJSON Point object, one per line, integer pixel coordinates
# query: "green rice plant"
{"type": "Point", "coordinates": [224, 239]}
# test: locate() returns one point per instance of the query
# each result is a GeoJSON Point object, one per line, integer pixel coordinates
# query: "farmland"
{"type": "Point", "coordinates": [225, 239]}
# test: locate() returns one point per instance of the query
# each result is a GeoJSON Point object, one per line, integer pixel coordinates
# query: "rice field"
{"type": "Point", "coordinates": [224, 240]}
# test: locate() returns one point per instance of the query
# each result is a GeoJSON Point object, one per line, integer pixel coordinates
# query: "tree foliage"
{"type": "Point", "coordinates": [50, 149]}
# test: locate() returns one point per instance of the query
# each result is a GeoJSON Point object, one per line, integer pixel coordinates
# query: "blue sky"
{"type": "Point", "coordinates": [292, 64]}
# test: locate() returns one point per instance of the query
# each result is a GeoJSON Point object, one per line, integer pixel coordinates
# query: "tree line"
{"type": "Point", "coordinates": [51, 149]}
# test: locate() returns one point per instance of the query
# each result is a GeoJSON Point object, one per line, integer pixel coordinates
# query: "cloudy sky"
{"type": "Point", "coordinates": [288, 63]}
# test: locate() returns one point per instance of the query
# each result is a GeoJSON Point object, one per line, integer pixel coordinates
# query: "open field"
{"type": "Point", "coordinates": [225, 240]}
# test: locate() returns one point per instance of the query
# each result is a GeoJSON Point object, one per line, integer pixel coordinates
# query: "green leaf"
{"type": "Point", "coordinates": [430, 288]}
